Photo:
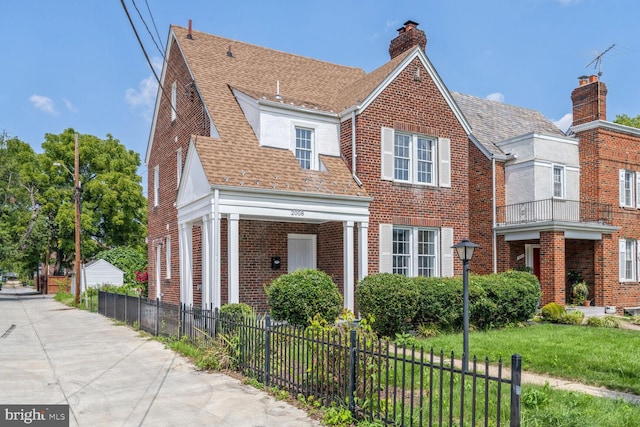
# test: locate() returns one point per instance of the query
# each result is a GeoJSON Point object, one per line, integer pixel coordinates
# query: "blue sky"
{"type": "Point", "coordinates": [77, 63]}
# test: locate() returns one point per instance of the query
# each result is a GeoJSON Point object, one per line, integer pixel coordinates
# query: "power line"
{"type": "Point", "coordinates": [154, 22]}
{"type": "Point", "coordinates": [153, 39]}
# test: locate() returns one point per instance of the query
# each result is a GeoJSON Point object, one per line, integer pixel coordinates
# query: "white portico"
{"type": "Point", "coordinates": [322, 199]}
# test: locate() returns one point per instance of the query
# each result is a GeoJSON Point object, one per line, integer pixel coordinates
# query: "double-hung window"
{"type": "Point", "coordinates": [628, 187]}
{"type": "Point", "coordinates": [174, 100]}
{"type": "Point", "coordinates": [304, 147]}
{"type": "Point", "coordinates": [415, 251]}
{"type": "Point", "coordinates": [558, 181]}
{"type": "Point", "coordinates": [413, 158]}
{"type": "Point", "coordinates": [628, 260]}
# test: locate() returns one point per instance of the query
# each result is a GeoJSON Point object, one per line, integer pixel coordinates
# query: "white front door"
{"type": "Point", "coordinates": [301, 251]}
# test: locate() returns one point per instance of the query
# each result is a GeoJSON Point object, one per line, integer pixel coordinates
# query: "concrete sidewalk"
{"type": "Point", "coordinates": [111, 376]}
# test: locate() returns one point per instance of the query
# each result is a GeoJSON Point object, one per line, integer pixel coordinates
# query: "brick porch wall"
{"type": "Point", "coordinates": [552, 267]}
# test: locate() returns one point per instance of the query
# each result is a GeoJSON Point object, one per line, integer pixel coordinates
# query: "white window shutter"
{"type": "Point", "coordinates": [385, 238]}
{"type": "Point", "coordinates": [637, 192]}
{"type": "Point", "coordinates": [444, 155]}
{"type": "Point", "coordinates": [446, 252]}
{"type": "Point", "coordinates": [636, 265]}
{"type": "Point", "coordinates": [621, 173]}
{"type": "Point", "coordinates": [386, 159]}
{"type": "Point", "coordinates": [622, 247]}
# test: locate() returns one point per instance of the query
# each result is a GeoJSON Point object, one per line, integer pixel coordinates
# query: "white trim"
{"type": "Point", "coordinates": [597, 124]}
{"type": "Point", "coordinates": [363, 250]}
{"type": "Point", "coordinates": [158, 272]}
{"type": "Point", "coordinates": [349, 265]}
{"type": "Point", "coordinates": [528, 254]}
{"type": "Point", "coordinates": [167, 243]}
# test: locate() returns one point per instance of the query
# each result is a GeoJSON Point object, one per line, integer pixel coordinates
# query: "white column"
{"type": "Point", "coordinates": [207, 262]}
{"type": "Point", "coordinates": [186, 263]}
{"type": "Point", "coordinates": [363, 250]}
{"type": "Point", "coordinates": [234, 258]}
{"type": "Point", "coordinates": [348, 248]}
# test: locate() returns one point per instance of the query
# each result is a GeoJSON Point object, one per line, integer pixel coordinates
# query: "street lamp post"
{"type": "Point", "coordinates": [76, 201]}
{"type": "Point", "coordinates": [465, 249]}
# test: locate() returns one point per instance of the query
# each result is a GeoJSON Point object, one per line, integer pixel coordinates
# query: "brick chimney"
{"type": "Point", "coordinates": [589, 100]}
{"type": "Point", "coordinates": [408, 36]}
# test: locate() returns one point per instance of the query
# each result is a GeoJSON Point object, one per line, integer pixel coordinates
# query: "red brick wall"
{"type": "Point", "coordinates": [408, 104]}
{"type": "Point", "coordinates": [167, 138]}
{"type": "Point", "coordinates": [589, 102]}
{"type": "Point", "coordinates": [552, 263]}
{"type": "Point", "coordinates": [480, 210]}
{"type": "Point", "coordinates": [603, 153]}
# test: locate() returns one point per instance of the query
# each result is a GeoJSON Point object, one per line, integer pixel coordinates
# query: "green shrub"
{"type": "Point", "coordinates": [515, 293]}
{"type": "Point", "coordinates": [236, 310]}
{"type": "Point", "coordinates": [575, 317]}
{"type": "Point", "coordinates": [603, 322]}
{"type": "Point", "coordinates": [440, 303]}
{"type": "Point", "coordinates": [495, 300]}
{"type": "Point", "coordinates": [297, 297]}
{"type": "Point", "coordinates": [391, 299]}
{"type": "Point", "coordinates": [552, 312]}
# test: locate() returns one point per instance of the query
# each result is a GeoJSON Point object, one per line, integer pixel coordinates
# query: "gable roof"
{"type": "Point", "coordinates": [236, 157]}
{"type": "Point", "coordinates": [493, 121]}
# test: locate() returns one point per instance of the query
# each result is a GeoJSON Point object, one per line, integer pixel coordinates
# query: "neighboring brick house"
{"type": "Point", "coordinates": [261, 162]}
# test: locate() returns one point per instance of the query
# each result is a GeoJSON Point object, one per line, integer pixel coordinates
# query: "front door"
{"type": "Point", "coordinates": [301, 251]}
{"type": "Point", "coordinates": [532, 258]}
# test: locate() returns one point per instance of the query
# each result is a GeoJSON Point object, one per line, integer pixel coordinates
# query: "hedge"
{"type": "Point", "coordinates": [495, 300]}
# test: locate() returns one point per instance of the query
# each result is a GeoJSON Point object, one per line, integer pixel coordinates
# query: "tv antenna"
{"type": "Point", "coordinates": [597, 61]}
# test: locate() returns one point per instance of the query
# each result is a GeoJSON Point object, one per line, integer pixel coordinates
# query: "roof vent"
{"type": "Point", "coordinates": [229, 53]}
{"type": "Point", "coordinates": [189, 35]}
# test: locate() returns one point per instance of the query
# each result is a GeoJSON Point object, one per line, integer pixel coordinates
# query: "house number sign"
{"type": "Point", "coordinates": [297, 212]}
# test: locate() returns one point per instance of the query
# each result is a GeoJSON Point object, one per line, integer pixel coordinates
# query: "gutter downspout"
{"type": "Point", "coordinates": [493, 209]}
{"type": "Point", "coordinates": [353, 149]}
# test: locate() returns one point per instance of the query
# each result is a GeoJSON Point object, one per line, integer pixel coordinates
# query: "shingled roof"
{"type": "Point", "coordinates": [220, 65]}
{"type": "Point", "coordinates": [493, 121]}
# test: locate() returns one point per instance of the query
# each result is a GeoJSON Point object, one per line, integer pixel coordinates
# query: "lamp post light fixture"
{"type": "Point", "coordinates": [465, 249]}
{"type": "Point", "coordinates": [76, 200]}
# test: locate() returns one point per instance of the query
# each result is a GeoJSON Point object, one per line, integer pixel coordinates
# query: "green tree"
{"type": "Point", "coordinates": [113, 206]}
{"type": "Point", "coordinates": [22, 228]}
{"type": "Point", "coordinates": [623, 119]}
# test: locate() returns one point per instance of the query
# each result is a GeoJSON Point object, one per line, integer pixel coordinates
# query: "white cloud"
{"type": "Point", "coordinates": [44, 104]}
{"type": "Point", "coordinates": [145, 95]}
{"type": "Point", "coordinates": [565, 122]}
{"type": "Point", "coordinates": [69, 105]}
{"type": "Point", "coordinates": [496, 96]}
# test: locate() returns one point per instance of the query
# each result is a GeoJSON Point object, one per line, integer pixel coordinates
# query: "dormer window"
{"type": "Point", "coordinates": [304, 147]}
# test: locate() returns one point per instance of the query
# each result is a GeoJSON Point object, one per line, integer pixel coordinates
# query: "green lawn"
{"type": "Point", "coordinates": [597, 356]}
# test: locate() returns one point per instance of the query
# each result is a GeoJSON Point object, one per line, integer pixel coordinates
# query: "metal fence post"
{"type": "Point", "coordinates": [157, 316]}
{"type": "Point", "coordinates": [139, 311]}
{"type": "Point", "coordinates": [267, 349]}
{"type": "Point", "coordinates": [352, 370]}
{"type": "Point", "coordinates": [516, 372]}
{"type": "Point", "coordinates": [216, 319]}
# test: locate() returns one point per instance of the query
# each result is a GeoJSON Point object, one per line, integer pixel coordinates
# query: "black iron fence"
{"type": "Point", "coordinates": [554, 210]}
{"type": "Point", "coordinates": [375, 379]}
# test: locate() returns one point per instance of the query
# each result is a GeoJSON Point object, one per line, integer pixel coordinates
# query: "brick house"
{"type": "Point", "coordinates": [262, 162]}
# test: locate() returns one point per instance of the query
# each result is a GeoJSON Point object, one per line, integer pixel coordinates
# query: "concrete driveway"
{"type": "Point", "coordinates": [111, 376]}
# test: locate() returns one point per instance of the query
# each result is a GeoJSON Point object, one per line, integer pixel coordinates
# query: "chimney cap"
{"type": "Point", "coordinates": [410, 24]}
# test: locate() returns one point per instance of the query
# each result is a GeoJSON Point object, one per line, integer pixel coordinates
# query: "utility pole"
{"type": "Point", "coordinates": [76, 184]}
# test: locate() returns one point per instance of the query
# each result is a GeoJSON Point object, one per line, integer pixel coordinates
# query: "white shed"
{"type": "Point", "coordinates": [97, 273]}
